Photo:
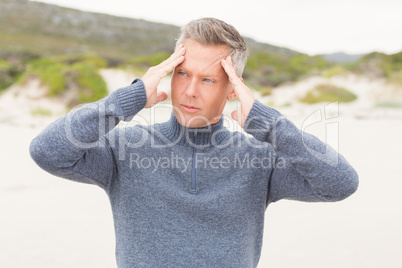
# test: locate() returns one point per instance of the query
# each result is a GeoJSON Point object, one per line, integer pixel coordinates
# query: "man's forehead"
{"type": "Point", "coordinates": [209, 52]}
{"type": "Point", "coordinates": [205, 58]}
{"type": "Point", "coordinates": [206, 70]}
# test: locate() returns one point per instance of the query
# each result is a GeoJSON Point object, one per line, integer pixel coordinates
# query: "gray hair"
{"type": "Point", "coordinates": [211, 31]}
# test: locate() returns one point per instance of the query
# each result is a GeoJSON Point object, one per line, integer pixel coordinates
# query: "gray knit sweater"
{"type": "Point", "coordinates": [185, 197]}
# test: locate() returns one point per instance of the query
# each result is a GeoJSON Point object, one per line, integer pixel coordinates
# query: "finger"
{"type": "Point", "coordinates": [233, 78]}
{"type": "Point", "coordinates": [176, 62]}
{"type": "Point", "coordinates": [175, 59]}
{"type": "Point", "coordinates": [230, 71]}
{"type": "Point", "coordinates": [171, 65]}
{"type": "Point", "coordinates": [180, 51]}
{"type": "Point", "coordinates": [160, 96]}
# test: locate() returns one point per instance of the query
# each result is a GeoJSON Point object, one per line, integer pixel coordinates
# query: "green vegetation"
{"type": "Point", "coordinates": [50, 30]}
{"type": "Point", "coordinates": [30, 47]}
{"type": "Point", "coordinates": [334, 71]}
{"type": "Point", "coordinates": [9, 73]}
{"type": "Point", "coordinates": [51, 72]}
{"type": "Point", "coordinates": [328, 93]}
{"type": "Point", "coordinates": [270, 103]}
{"type": "Point", "coordinates": [380, 65]}
{"type": "Point", "coordinates": [79, 72]}
{"type": "Point", "coordinates": [396, 77]}
{"type": "Point", "coordinates": [149, 60]}
{"type": "Point", "coordinates": [59, 31]}
{"type": "Point", "coordinates": [271, 70]}
{"type": "Point", "coordinates": [389, 104]}
{"type": "Point", "coordinates": [265, 91]}
{"type": "Point", "coordinates": [91, 86]}
{"type": "Point", "coordinates": [139, 65]}
{"type": "Point", "coordinates": [41, 112]}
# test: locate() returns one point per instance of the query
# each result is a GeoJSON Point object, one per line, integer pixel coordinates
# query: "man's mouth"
{"type": "Point", "coordinates": [190, 108]}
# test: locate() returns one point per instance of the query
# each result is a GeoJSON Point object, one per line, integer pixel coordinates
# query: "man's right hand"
{"type": "Point", "coordinates": [154, 74]}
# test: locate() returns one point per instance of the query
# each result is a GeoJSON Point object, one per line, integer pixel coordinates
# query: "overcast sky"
{"type": "Point", "coordinates": [309, 26]}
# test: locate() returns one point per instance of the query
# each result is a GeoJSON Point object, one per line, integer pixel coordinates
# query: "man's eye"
{"type": "Point", "coordinates": [208, 80]}
{"type": "Point", "coordinates": [182, 73]}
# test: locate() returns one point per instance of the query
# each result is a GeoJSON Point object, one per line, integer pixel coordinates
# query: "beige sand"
{"type": "Point", "coordinates": [50, 222]}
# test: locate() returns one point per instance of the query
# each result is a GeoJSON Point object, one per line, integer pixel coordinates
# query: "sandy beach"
{"type": "Point", "coordinates": [50, 222]}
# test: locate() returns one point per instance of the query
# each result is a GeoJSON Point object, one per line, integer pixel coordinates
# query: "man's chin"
{"type": "Point", "coordinates": [193, 121]}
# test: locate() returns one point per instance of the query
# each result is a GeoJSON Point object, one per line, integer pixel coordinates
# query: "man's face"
{"type": "Point", "coordinates": [200, 86]}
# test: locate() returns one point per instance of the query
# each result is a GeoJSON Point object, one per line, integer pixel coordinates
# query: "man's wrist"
{"type": "Point", "coordinates": [131, 99]}
{"type": "Point", "coordinates": [261, 120]}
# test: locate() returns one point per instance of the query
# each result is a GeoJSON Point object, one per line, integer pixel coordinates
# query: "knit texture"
{"type": "Point", "coordinates": [185, 197]}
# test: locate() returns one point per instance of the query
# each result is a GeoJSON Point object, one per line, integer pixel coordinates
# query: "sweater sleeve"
{"type": "Point", "coordinates": [306, 169]}
{"type": "Point", "coordinates": [75, 146]}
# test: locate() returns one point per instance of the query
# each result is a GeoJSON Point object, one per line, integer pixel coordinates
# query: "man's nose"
{"type": "Point", "coordinates": [192, 89]}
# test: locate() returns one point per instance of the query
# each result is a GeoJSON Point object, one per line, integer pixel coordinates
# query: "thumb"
{"type": "Point", "coordinates": [235, 115]}
{"type": "Point", "coordinates": [162, 96]}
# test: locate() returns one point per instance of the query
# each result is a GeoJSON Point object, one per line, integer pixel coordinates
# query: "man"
{"type": "Point", "coordinates": [188, 192]}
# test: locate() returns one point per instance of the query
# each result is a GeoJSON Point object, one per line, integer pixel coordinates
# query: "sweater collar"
{"type": "Point", "coordinates": [208, 135]}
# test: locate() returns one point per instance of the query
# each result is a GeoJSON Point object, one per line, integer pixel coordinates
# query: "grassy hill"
{"type": "Point", "coordinates": [38, 37]}
{"type": "Point", "coordinates": [30, 31]}
{"type": "Point", "coordinates": [380, 65]}
{"type": "Point", "coordinates": [44, 29]}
